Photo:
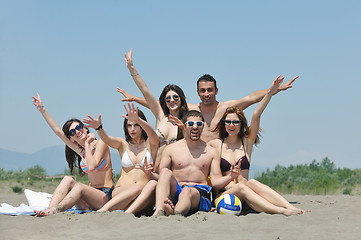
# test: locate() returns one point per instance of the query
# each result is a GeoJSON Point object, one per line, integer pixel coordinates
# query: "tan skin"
{"type": "Point", "coordinates": [133, 179]}
{"type": "Point", "coordinates": [257, 195]}
{"type": "Point", "coordinates": [69, 192]}
{"type": "Point", "coordinates": [163, 122]}
{"type": "Point", "coordinates": [188, 161]}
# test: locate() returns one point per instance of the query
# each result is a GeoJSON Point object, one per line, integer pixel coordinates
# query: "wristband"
{"type": "Point", "coordinates": [100, 127]}
{"type": "Point", "coordinates": [133, 75]}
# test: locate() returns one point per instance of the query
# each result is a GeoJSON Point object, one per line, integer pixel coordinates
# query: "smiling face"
{"type": "Point", "coordinates": [78, 132]}
{"type": "Point", "coordinates": [193, 132]}
{"type": "Point", "coordinates": [232, 124]}
{"type": "Point", "coordinates": [173, 101]}
{"type": "Point", "coordinates": [207, 92]}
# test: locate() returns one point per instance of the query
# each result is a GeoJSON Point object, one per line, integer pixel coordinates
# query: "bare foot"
{"type": "Point", "coordinates": [168, 207]}
{"type": "Point", "coordinates": [290, 212]}
{"type": "Point", "coordinates": [46, 212]}
{"type": "Point", "coordinates": [160, 212]}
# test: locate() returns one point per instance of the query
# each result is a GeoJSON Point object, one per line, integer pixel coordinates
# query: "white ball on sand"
{"type": "Point", "coordinates": [229, 204]}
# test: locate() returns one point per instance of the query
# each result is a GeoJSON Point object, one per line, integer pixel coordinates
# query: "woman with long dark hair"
{"type": "Point", "coordinates": [90, 156]}
{"type": "Point", "coordinates": [235, 149]}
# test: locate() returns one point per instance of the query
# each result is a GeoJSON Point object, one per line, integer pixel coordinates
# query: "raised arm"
{"type": "Point", "coordinates": [93, 160]}
{"type": "Point", "coordinates": [113, 142]}
{"type": "Point", "coordinates": [153, 104]}
{"type": "Point", "coordinates": [54, 125]}
{"type": "Point", "coordinates": [131, 98]}
{"type": "Point", "coordinates": [257, 96]}
{"type": "Point", "coordinates": [255, 122]}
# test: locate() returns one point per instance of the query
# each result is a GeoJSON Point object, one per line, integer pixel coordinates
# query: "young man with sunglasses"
{"type": "Point", "coordinates": [213, 110]}
{"type": "Point", "coordinates": [184, 169]}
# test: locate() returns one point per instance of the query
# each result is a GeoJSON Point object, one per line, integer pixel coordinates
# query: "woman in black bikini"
{"type": "Point", "coordinates": [235, 149]}
{"type": "Point", "coordinates": [90, 156]}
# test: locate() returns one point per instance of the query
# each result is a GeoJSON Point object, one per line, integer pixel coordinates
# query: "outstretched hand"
{"type": "Point", "coordinates": [128, 58]}
{"type": "Point", "coordinates": [176, 121]}
{"type": "Point", "coordinates": [93, 123]}
{"type": "Point", "coordinates": [288, 84]}
{"type": "Point", "coordinates": [127, 97]}
{"type": "Point", "coordinates": [276, 84]}
{"type": "Point", "coordinates": [132, 113]}
{"type": "Point", "coordinates": [38, 103]}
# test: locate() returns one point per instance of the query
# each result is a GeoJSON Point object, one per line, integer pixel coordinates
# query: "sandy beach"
{"type": "Point", "coordinates": [331, 217]}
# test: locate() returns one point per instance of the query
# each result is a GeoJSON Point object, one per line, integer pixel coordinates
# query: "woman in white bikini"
{"type": "Point", "coordinates": [232, 168]}
{"type": "Point", "coordinates": [134, 191]}
{"type": "Point", "coordinates": [88, 155]}
{"type": "Point", "coordinates": [172, 102]}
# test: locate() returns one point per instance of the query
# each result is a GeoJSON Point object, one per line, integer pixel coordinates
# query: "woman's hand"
{"type": "Point", "coordinates": [288, 84]}
{"type": "Point", "coordinates": [148, 167]}
{"type": "Point", "coordinates": [235, 170]}
{"type": "Point", "coordinates": [128, 58]}
{"type": "Point", "coordinates": [93, 123]}
{"type": "Point", "coordinates": [127, 97]}
{"type": "Point", "coordinates": [276, 84]}
{"type": "Point", "coordinates": [132, 113]}
{"type": "Point", "coordinates": [38, 103]}
{"type": "Point", "coordinates": [90, 138]}
{"type": "Point", "coordinates": [176, 121]}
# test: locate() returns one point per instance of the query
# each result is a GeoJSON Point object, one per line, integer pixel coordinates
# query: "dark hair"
{"type": "Point", "coordinates": [192, 113]}
{"type": "Point", "coordinates": [244, 131]}
{"type": "Point", "coordinates": [128, 138]}
{"type": "Point", "coordinates": [207, 78]}
{"type": "Point", "coordinates": [72, 157]}
{"type": "Point", "coordinates": [183, 107]}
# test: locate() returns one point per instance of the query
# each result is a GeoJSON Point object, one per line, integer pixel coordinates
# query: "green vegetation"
{"type": "Point", "coordinates": [34, 178]}
{"type": "Point", "coordinates": [314, 178]}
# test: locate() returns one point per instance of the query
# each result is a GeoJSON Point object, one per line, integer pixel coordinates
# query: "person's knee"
{"type": "Point", "coordinates": [242, 188]}
{"type": "Point", "coordinates": [252, 183]}
{"type": "Point", "coordinates": [78, 187]}
{"type": "Point", "coordinates": [151, 185]}
{"type": "Point", "coordinates": [165, 173]}
{"type": "Point", "coordinates": [68, 181]}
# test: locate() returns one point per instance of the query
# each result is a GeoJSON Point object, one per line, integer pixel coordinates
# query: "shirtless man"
{"type": "Point", "coordinates": [213, 110]}
{"type": "Point", "coordinates": [185, 165]}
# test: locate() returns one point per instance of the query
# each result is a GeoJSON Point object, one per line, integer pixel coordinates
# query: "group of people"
{"type": "Point", "coordinates": [196, 154]}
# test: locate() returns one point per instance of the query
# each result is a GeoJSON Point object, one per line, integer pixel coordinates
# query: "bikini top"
{"type": "Point", "coordinates": [127, 161]}
{"type": "Point", "coordinates": [103, 164]}
{"type": "Point", "coordinates": [162, 138]}
{"type": "Point", "coordinates": [226, 166]}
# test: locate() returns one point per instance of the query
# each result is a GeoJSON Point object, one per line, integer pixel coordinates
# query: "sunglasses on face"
{"type": "Point", "coordinates": [191, 123]}
{"type": "Point", "coordinates": [234, 122]}
{"type": "Point", "coordinates": [77, 127]}
{"type": "Point", "coordinates": [169, 98]}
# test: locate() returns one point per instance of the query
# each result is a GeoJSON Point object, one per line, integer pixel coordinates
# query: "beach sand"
{"type": "Point", "coordinates": [331, 217]}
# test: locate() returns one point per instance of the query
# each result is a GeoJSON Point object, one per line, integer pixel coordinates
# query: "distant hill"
{"type": "Point", "coordinates": [53, 160]}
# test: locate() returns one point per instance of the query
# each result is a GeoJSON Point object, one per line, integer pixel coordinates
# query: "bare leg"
{"type": "Point", "coordinates": [269, 194]}
{"type": "Point", "coordinates": [66, 184]}
{"type": "Point", "coordinates": [166, 187]}
{"type": "Point", "coordinates": [145, 199]}
{"type": "Point", "coordinates": [257, 202]}
{"type": "Point", "coordinates": [121, 198]}
{"type": "Point", "coordinates": [93, 197]}
{"type": "Point", "coordinates": [188, 200]}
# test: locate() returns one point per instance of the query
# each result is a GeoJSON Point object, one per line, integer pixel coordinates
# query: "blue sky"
{"type": "Point", "coordinates": [71, 52]}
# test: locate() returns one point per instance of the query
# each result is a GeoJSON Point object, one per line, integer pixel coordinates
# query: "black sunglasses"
{"type": "Point", "coordinates": [169, 98]}
{"type": "Point", "coordinates": [77, 127]}
{"type": "Point", "coordinates": [191, 123]}
{"type": "Point", "coordinates": [234, 122]}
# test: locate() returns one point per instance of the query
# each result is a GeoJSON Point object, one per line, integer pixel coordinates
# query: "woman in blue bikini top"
{"type": "Point", "coordinates": [235, 149]}
{"type": "Point", "coordinates": [87, 154]}
{"type": "Point", "coordinates": [134, 189]}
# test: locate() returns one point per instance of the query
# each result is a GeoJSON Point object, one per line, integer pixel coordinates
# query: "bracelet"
{"type": "Point", "coordinates": [133, 75]}
{"type": "Point", "coordinates": [100, 127]}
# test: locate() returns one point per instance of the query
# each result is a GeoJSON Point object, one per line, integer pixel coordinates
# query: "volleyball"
{"type": "Point", "coordinates": [228, 204]}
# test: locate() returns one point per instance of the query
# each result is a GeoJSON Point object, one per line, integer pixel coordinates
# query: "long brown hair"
{"type": "Point", "coordinates": [243, 132]}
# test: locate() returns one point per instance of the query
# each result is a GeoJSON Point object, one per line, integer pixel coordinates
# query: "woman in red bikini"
{"type": "Point", "coordinates": [235, 149]}
{"type": "Point", "coordinates": [91, 156]}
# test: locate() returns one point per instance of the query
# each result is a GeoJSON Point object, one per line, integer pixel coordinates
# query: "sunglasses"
{"type": "Point", "coordinates": [78, 127]}
{"type": "Point", "coordinates": [191, 123]}
{"type": "Point", "coordinates": [234, 122]}
{"type": "Point", "coordinates": [169, 98]}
